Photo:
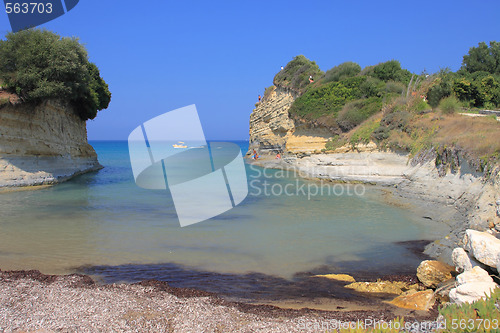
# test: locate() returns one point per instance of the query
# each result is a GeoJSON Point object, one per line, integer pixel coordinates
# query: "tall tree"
{"type": "Point", "coordinates": [483, 58]}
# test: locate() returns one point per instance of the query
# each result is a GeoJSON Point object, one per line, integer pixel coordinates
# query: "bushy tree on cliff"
{"type": "Point", "coordinates": [295, 75]}
{"type": "Point", "coordinates": [343, 71]}
{"type": "Point", "coordinates": [39, 64]}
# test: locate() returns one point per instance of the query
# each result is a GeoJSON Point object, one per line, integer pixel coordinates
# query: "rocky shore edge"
{"type": "Point", "coordinates": [34, 302]}
{"type": "Point", "coordinates": [468, 264]}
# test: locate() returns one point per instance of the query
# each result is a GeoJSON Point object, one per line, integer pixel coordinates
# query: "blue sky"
{"type": "Point", "coordinates": [160, 55]}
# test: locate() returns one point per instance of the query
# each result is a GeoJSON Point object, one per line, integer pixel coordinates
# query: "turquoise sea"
{"type": "Point", "coordinates": [103, 224]}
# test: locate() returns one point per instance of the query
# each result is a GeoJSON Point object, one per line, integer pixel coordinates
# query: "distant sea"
{"type": "Point", "coordinates": [102, 224]}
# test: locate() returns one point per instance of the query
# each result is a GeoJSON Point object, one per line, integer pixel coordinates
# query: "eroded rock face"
{"type": "Point", "coordinates": [433, 272]}
{"type": "Point", "coordinates": [43, 144]}
{"type": "Point", "coordinates": [483, 246]}
{"type": "Point", "coordinates": [272, 129]}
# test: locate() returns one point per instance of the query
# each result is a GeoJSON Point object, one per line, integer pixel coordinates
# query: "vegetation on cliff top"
{"type": "Point", "coordinates": [345, 95]}
{"type": "Point", "coordinates": [39, 64]}
{"type": "Point", "coordinates": [400, 110]}
{"type": "Point", "coordinates": [295, 76]}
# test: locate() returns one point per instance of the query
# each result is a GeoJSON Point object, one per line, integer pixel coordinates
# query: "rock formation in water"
{"type": "Point", "coordinates": [42, 144]}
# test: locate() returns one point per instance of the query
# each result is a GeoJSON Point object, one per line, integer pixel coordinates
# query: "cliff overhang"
{"type": "Point", "coordinates": [43, 144]}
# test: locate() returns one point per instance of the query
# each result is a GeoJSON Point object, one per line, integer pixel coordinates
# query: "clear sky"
{"type": "Point", "coordinates": [160, 55]}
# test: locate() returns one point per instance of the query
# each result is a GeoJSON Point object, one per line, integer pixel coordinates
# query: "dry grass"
{"type": "Point", "coordinates": [479, 136]}
{"type": "Point", "coordinates": [400, 140]}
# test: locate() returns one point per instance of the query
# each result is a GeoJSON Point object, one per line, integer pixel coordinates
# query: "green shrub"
{"type": "Point", "coordinates": [396, 120]}
{"type": "Point", "coordinates": [391, 70]}
{"type": "Point", "coordinates": [421, 106]}
{"type": "Point", "coordinates": [326, 99]}
{"type": "Point", "coordinates": [490, 88]}
{"type": "Point", "coordinates": [437, 92]}
{"type": "Point", "coordinates": [296, 74]}
{"type": "Point", "coordinates": [449, 105]}
{"type": "Point", "coordinates": [39, 64]}
{"type": "Point", "coordinates": [477, 90]}
{"type": "Point", "coordinates": [468, 91]}
{"type": "Point", "coordinates": [393, 87]}
{"type": "Point", "coordinates": [341, 72]}
{"type": "Point", "coordinates": [381, 133]}
{"type": "Point", "coordinates": [355, 112]}
{"type": "Point", "coordinates": [334, 143]}
{"type": "Point", "coordinates": [372, 87]}
{"type": "Point", "coordinates": [364, 133]}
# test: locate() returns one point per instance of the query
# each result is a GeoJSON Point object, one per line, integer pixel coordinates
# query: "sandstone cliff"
{"type": "Point", "coordinates": [42, 144]}
{"type": "Point", "coordinates": [272, 129]}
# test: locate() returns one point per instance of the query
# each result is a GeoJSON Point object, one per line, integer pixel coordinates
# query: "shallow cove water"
{"type": "Point", "coordinates": [103, 224]}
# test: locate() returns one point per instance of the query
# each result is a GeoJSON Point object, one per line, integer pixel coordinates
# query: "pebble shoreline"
{"type": "Point", "coordinates": [31, 302]}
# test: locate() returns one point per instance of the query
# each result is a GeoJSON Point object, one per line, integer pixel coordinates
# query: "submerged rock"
{"type": "Point", "coordinates": [420, 300]}
{"type": "Point", "coordinates": [385, 287]}
{"type": "Point", "coordinates": [483, 246]}
{"type": "Point", "coordinates": [338, 277]}
{"type": "Point", "coordinates": [433, 272]}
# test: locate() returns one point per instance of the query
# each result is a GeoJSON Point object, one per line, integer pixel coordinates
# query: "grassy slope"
{"type": "Point", "coordinates": [478, 138]}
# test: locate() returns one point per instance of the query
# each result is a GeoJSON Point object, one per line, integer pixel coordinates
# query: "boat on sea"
{"type": "Point", "coordinates": [179, 144]}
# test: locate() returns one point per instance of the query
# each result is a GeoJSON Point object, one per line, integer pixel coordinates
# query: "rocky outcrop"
{"type": "Point", "coordinates": [384, 287]}
{"type": "Point", "coordinates": [483, 246]}
{"type": "Point", "coordinates": [479, 249]}
{"type": "Point", "coordinates": [420, 300]}
{"type": "Point", "coordinates": [272, 129]}
{"type": "Point", "coordinates": [432, 272]}
{"type": "Point", "coordinates": [42, 144]}
{"type": "Point", "coordinates": [472, 285]}
{"type": "Point", "coordinates": [462, 260]}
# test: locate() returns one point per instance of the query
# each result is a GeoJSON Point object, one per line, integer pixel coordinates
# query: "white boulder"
{"type": "Point", "coordinates": [483, 246]}
{"type": "Point", "coordinates": [471, 292]}
{"type": "Point", "coordinates": [472, 285]}
{"type": "Point", "coordinates": [477, 274]}
{"type": "Point", "coordinates": [462, 261]}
